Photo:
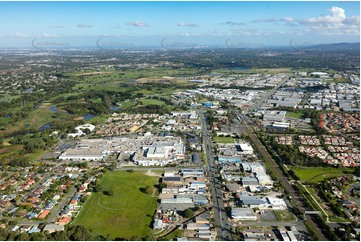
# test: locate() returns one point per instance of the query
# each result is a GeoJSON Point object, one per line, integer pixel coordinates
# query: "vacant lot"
{"type": "Point", "coordinates": [127, 212]}
{"type": "Point", "coordinates": [223, 140]}
{"type": "Point", "coordinates": [294, 114]}
{"type": "Point", "coordinates": [317, 174]}
{"type": "Point", "coordinates": [284, 216]}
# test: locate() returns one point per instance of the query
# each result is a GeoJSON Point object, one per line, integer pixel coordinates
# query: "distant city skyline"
{"type": "Point", "coordinates": [177, 24]}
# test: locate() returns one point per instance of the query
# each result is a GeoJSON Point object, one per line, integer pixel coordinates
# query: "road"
{"type": "Point", "coordinates": [220, 215]}
{"type": "Point", "coordinates": [278, 173]}
{"type": "Point", "coordinates": [268, 95]}
{"type": "Point", "coordinates": [55, 212]}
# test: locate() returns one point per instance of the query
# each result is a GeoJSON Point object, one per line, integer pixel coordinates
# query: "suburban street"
{"type": "Point", "coordinates": [220, 215]}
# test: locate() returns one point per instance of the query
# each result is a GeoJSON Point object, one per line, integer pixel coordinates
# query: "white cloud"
{"type": "Point", "coordinates": [137, 23]}
{"type": "Point", "coordinates": [183, 24]}
{"type": "Point", "coordinates": [336, 23]}
{"type": "Point", "coordinates": [274, 20]}
{"type": "Point", "coordinates": [17, 35]}
{"type": "Point", "coordinates": [50, 36]}
{"type": "Point", "coordinates": [83, 25]}
{"type": "Point", "coordinates": [252, 32]}
{"type": "Point", "coordinates": [338, 16]}
{"type": "Point", "coordinates": [231, 23]}
{"type": "Point", "coordinates": [57, 26]}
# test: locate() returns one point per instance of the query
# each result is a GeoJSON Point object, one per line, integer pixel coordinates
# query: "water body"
{"type": "Point", "coordinates": [114, 108]}
{"type": "Point", "coordinates": [88, 116]}
{"type": "Point", "coordinates": [54, 109]}
{"type": "Point", "coordinates": [45, 127]}
{"type": "Point", "coordinates": [238, 68]}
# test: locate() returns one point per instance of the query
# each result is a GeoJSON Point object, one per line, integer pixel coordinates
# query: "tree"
{"type": "Point", "coordinates": [161, 186]}
{"type": "Point", "coordinates": [109, 193]}
{"type": "Point", "coordinates": [98, 188]}
{"type": "Point", "coordinates": [149, 190]}
{"type": "Point", "coordinates": [79, 232]}
{"type": "Point", "coordinates": [188, 213]}
{"type": "Point", "coordinates": [135, 238]}
{"type": "Point", "coordinates": [38, 237]}
{"type": "Point", "coordinates": [83, 198]}
{"type": "Point", "coordinates": [59, 236]}
{"type": "Point", "coordinates": [23, 237]}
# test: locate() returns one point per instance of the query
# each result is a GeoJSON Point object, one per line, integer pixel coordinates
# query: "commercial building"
{"type": "Point", "coordinates": [192, 172]}
{"type": "Point", "coordinates": [243, 214]}
{"type": "Point", "coordinates": [78, 154]}
{"type": "Point", "coordinates": [245, 148]}
{"type": "Point", "coordinates": [277, 116]}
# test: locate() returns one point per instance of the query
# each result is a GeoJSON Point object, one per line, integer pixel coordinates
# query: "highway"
{"type": "Point", "coordinates": [220, 215]}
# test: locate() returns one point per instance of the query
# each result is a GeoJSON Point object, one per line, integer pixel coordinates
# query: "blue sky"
{"type": "Point", "coordinates": [248, 24]}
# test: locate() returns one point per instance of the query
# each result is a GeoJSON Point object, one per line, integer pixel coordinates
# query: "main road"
{"type": "Point", "coordinates": [220, 215]}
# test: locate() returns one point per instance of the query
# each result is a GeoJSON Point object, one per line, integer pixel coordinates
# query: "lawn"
{"type": "Point", "coordinates": [294, 115]}
{"type": "Point", "coordinates": [223, 140]}
{"type": "Point", "coordinates": [317, 174]}
{"type": "Point", "coordinates": [127, 212]}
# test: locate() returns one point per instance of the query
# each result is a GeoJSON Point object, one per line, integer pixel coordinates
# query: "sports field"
{"type": "Point", "coordinates": [128, 212]}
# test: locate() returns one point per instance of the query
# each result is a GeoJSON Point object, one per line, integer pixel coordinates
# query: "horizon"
{"type": "Point", "coordinates": [248, 25]}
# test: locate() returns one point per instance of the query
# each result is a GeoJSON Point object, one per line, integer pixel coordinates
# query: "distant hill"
{"type": "Point", "coordinates": [336, 46]}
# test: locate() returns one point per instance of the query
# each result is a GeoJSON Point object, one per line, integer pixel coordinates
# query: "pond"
{"type": "Point", "coordinates": [45, 127]}
{"type": "Point", "coordinates": [88, 116]}
{"type": "Point", "coordinates": [54, 109]}
{"type": "Point", "coordinates": [114, 108]}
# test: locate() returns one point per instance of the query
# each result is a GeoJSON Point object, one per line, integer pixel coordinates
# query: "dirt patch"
{"type": "Point", "coordinates": [151, 173]}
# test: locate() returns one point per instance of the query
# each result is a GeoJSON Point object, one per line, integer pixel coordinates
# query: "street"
{"type": "Point", "coordinates": [220, 215]}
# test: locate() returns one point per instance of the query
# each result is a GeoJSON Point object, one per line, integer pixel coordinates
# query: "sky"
{"type": "Point", "coordinates": [177, 24]}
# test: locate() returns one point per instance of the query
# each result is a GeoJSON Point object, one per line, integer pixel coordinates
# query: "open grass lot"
{"type": "Point", "coordinates": [223, 140]}
{"type": "Point", "coordinates": [146, 101]}
{"type": "Point", "coordinates": [317, 174]}
{"type": "Point", "coordinates": [284, 216]}
{"type": "Point", "coordinates": [127, 213]}
{"type": "Point", "coordinates": [294, 115]}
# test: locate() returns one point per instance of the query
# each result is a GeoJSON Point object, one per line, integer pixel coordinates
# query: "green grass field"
{"type": "Point", "coordinates": [284, 216]}
{"type": "Point", "coordinates": [317, 174]}
{"type": "Point", "coordinates": [146, 101]}
{"type": "Point", "coordinates": [223, 140]}
{"type": "Point", "coordinates": [294, 115]}
{"type": "Point", "coordinates": [127, 213]}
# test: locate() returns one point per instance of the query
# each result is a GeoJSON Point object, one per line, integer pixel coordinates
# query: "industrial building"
{"type": "Point", "coordinates": [278, 116]}
{"type": "Point", "coordinates": [243, 214]}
